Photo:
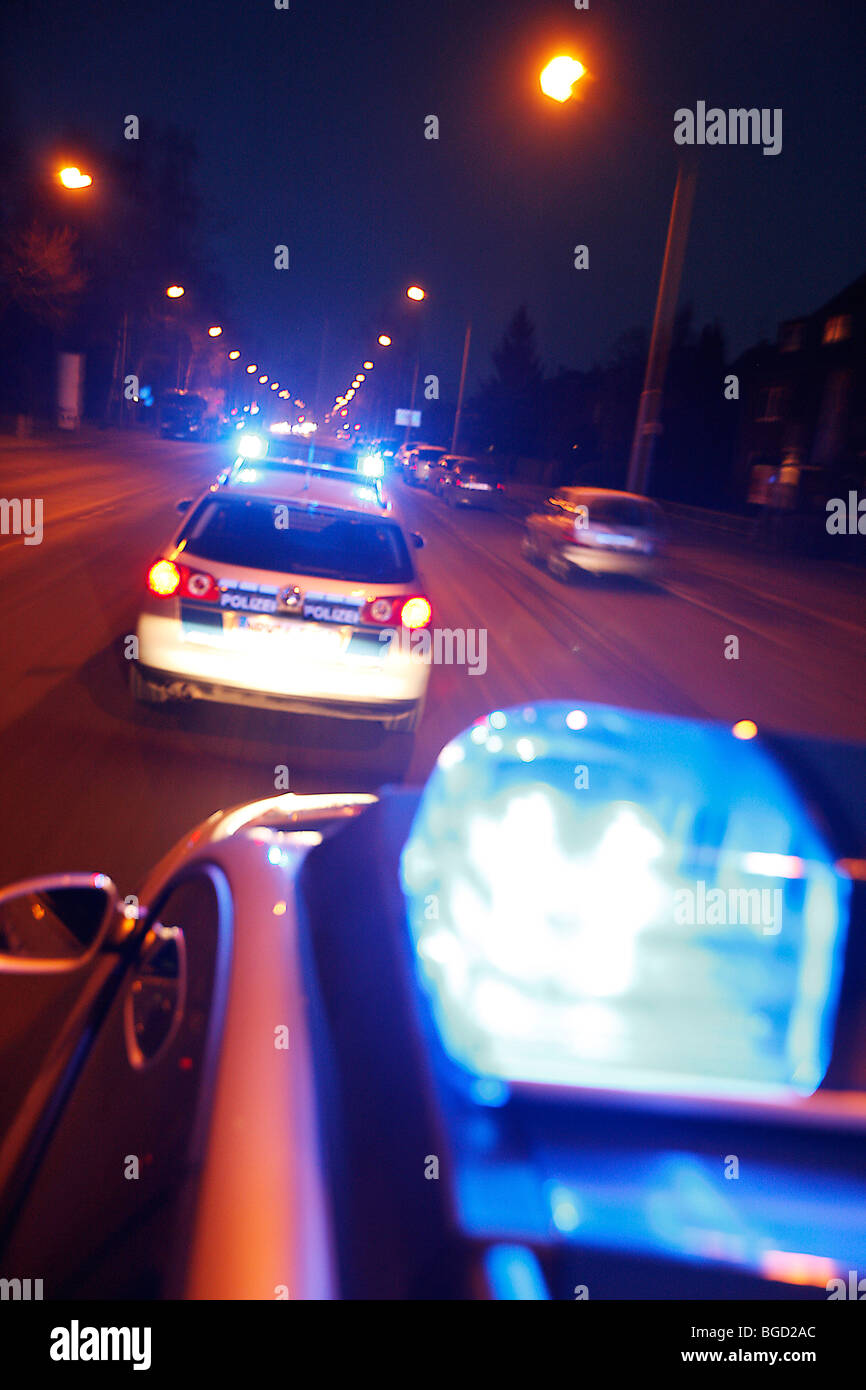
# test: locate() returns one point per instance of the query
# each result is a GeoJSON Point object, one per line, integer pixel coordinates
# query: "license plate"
{"type": "Point", "coordinates": [313, 639]}
{"type": "Point", "coordinates": [369, 646]}
{"type": "Point", "coordinates": [255, 622]}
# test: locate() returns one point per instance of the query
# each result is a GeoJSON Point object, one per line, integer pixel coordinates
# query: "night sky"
{"type": "Point", "coordinates": [310, 125]}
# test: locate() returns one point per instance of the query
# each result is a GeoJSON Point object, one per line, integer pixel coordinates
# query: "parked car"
{"type": "Point", "coordinates": [598, 531]}
{"type": "Point", "coordinates": [417, 465]}
{"type": "Point", "coordinates": [464, 482]}
{"type": "Point", "coordinates": [182, 415]}
{"type": "Point", "coordinates": [191, 415]}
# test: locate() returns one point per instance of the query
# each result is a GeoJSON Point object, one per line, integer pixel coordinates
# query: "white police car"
{"type": "Point", "coordinates": [287, 588]}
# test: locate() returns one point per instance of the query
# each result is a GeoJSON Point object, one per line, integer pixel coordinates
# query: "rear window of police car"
{"type": "Point", "coordinates": [316, 541]}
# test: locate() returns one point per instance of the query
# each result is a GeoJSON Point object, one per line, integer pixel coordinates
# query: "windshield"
{"type": "Point", "coordinates": [619, 511]}
{"type": "Point", "coordinates": [298, 540]}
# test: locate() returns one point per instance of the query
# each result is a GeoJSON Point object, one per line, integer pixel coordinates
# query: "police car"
{"type": "Point", "coordinates": [287, 587]}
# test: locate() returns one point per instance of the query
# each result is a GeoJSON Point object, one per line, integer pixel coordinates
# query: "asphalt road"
{"type": "Point", "coordinates": [93, 782]}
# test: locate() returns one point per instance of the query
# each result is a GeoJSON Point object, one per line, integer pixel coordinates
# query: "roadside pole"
{"type": "Point", "coordinates": [647, 424]}
{"type": "Point", "coordinates": [462, 384]}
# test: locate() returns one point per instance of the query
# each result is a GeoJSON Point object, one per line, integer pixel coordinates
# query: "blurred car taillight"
{"type": "Point", "coordinates": [198, 584]}
{"type": "Point", "coordinates": [416, 612]}
{"type": "Point", "coordinates": [165, 579]}
{"type": "Point", "coordinates": [378, 610]}
{"type": "Point", "coordinates": [412, 612]}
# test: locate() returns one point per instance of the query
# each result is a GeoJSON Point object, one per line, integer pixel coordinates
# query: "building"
{"type": "Point", "coordinates": [802, 429]}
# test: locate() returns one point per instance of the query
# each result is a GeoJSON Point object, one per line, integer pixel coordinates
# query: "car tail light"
{"type": "Point", "coordinates": [379, 610]}
{"type": "Point", "coordinates": [500, 487]}
{"type": "Point", "coordinates": [415, 613]}
{"type": "Point", "coordinates": [457, 482]}
{"type": "Point", "coordinates": [198, 584]}
{"type": "Point", "coordinates": [165, 579]}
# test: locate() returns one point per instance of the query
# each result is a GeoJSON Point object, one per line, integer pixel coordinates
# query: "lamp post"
{"type": "Point", "coordinates": [648, 423]}
{"type": "Point", "coordinates": [557, 81]}
{"type": "Point", "coordinates": [415, 293]}
{"type": "Point", "coordinates": [462, 384]}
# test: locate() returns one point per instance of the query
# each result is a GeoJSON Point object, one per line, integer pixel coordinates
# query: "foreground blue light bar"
{"type": "Point", "coordinates": [514, 1274]}
{"type": "Point", "coordinates": [603, 898]}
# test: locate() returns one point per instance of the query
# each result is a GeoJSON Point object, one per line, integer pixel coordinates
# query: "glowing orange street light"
{"type": "Point", "coordinates": [368, 366]}
{"type": "Point", "coordinates": [214, 332]}
{"type": "Point", "coordinates": [560, 75]}
{"type": "Point", "coordinates": [262, 380]}
{"type": "Point", "coordinates": [744, 729]}
{"type": "Point", "coordinates": [175, 291]}
{"type": "Point", "coordinates": [415, 292]}
{"type": "Point", "coordinates": [233, 356]}
{"type": "Point", "coordinates": [73, 178]}
{"type": "Point", "coordinates": [361, 377]}
{"type": "Point", "coordinates": [384, 340]}
{"type": "Point", "coordinates": [253, 367]}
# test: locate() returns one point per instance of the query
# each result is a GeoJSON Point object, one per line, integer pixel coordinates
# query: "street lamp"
{"type": "Point", "coordinates": [233, 356]}
{"type": "Point", "coordinates": [175, 292]}
{"type": "Point", "coordinates": [72, 177]}
{"type": "Point", "coordinates": [384, 340]}
{"type": "Point", "coordinates": [368, 366]}
{"type": "Point", "coordinates": [415, 292]}
{"type": "Point", "coordinates": [214, 332]}
{"type": "Point", "coordinates": [560, 75]}
{"type": "Point", "coordinates": [557, 80]}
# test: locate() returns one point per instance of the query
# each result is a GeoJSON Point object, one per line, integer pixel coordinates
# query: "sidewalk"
{"type": "Point", "coordinates": [44, 437]}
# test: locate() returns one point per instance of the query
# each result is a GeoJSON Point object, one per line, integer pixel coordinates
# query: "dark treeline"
{"type": "Point", "coordinates": [81, 268]}
{"type": "Point", "coordinates": [582, 421]}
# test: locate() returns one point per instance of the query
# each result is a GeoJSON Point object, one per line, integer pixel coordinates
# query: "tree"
{"type": "Point", "coordinates": [41, 283]}
{"type": "Point", "coordinates": [508, 404]}
{"type": "Point", "coordinates": [40, 273]}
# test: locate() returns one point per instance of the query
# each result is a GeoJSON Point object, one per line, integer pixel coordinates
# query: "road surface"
{"type": "Point", "coordinates": [93, 782]}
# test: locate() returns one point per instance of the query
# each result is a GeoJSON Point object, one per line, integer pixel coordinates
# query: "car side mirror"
{"type": "Point", "coordinates": [183, 505]}
{"type": "Point", "coordinates": [417, 540]}
{"type": "Point", "coordinates": [54, 924]}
